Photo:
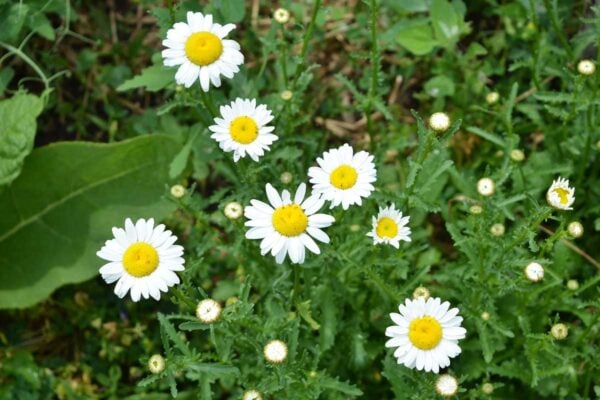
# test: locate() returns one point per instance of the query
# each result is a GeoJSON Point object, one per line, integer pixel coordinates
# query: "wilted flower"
{"type": "Point", "coordinates": [560, 195]}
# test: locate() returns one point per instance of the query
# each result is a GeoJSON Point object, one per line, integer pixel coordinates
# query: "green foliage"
{"type": "Point", "coordinates": [62, 206]}
{"type": "Point", "coordinates": [365, 73]}
{"type": "Point", "coordinates": [17, 132]}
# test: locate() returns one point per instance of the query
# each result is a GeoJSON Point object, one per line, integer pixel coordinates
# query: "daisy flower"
{"type": "Point", "coordinates": [390, 227]}
{"type": "Point", "coordinates": [560, 195]}
{"type": "Point", "coordinates": [142, 258]}
{"type": "Point", "coordinates": [287, 226]}
{"type": "Point", "coordinates": [343, 177]}
{"type": "Point", "coordinates": [201, 51]}
{"type": "Point", "coordinates": [243, 129]}
{"type": "Point", "coordinates": [426, 333]}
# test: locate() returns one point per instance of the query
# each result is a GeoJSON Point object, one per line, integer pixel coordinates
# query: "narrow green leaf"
{"type": "Point", "coordinates": [153, 78]}
{"type": "Point", "coordinates": [172, 334]}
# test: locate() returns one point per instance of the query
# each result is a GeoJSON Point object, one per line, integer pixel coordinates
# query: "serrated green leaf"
{"type": "Point", "coordinates": [153, 78]}
{"type": "Point", "coordinates": [17, 133]}
{"type": "Point", "coordinates": [60, 210]}
{"type": "Point", "coordinates": [339, 386]}
{"type": "Point", "coordinates": [167, 327]}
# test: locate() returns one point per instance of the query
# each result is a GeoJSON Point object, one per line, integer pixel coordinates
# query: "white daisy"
{"type": "Point", "coordinates": [288, 225]}
{"type": "Point", "coordinates": [142, 258]}
{"type": "Point", "coordinates": [426, 334]}
{"type": "Point", "coordinates": [201, 51]}
{"type": "Point", "coordinates": [343, 177]}
{"type": "Point", "coordinates": [560, 195]}
{"type": "Point", "coordinates": [243, 129]}
{"type": "Point", "coordinates": [390, 227]}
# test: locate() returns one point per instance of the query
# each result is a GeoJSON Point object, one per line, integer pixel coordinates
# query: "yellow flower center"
{"type": "Point", "coordinates": [140, 259]}
{"type": "Point", "coordinates": [425, 333]}
{"type": "Point", "coordinates": [243, 130]}
{"type": "Point", "coordinates": [563, 194]}
{"type": "Point", "coordinates": [343, 177]}
{"type": "Point", "coordinates": [203, 48]}
{"type": "Point", "coordinates": [386, 227]}
{"type": "Point", "coordinates": [290, 220]}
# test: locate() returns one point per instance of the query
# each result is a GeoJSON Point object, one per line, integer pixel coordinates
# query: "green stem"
{"type": "Point", "coordinates": [296, 284]}
{"type": "Point", "coordinates": [374, 74]}
{"type": "Point", "coordinates": [557, 29]}
{"type": "Point", "coordinates": [29, 61]}
{"type": "Point", "coordinates": [208, 103]}
{"type": "Point", "coordinates": [307, 37]}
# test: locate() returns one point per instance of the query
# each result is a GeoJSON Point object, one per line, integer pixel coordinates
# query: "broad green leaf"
{"type": "Point", "coordinates": [232, 10]}
{"type": "Point", "coordinates": [153, 78]}
{"type": "Point", "coordinates": [447, 21]}
{"type": "Point", "coordinates": [417, 38]}
{"type": "Point", "coordinates": [17, 132]}
{"type": "Point", "coordinates": [60, 210]}
{"type": "Point", "coordinates": [440, 86]}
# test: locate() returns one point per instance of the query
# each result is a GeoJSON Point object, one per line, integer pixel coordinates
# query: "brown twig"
{"type": "Point", "coordinates": [575, 248]}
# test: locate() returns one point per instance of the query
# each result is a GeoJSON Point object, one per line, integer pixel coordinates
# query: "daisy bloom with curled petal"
{"type": "Point", "coordinates": [561, 195]}
{"type": "Point", "coordinates": [243, 129]}
{"type": "Point", "coordinates": [426, 334]}
{"type": "Point", "coordinates": [288, 225]}
{"type": "Point", "coordinates": [390, 227]}
{"type": "Point", "coordinates": [142, 258]}
{"type": "Point", "coordinates": [343, 177]}
{"type": "Point", "coordinates": [201, 51]}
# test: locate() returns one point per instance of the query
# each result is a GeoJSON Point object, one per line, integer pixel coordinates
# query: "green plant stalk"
{"type": "Point", "coordinates": [372, 94]}
{"type": "Point", "coordinates": [209, 103]}
{"type": "Point", "coordinates": [557, 29]}
{"type": "Point", "coordinates": [30, 62]}
{"type": "Point", "coordinates": [306, 39]}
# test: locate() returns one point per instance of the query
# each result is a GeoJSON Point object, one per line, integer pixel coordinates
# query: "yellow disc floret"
{"type": "Point", "coordinates": [203, 48]}
{"type": "Point", "coordinates": [425, 333]}
{"type": "Point", "coordinates": [563, 194]}
{"type": "Point", "coordinates": [290, 220]}
{"type": "Point", "coordinates": [386, 227]}
{"type": "Point", "coordinates": [140, 259]}
{"type": "Point", "coordinates": [343, 177]}
{"type": "Point", "coordinates": [243, 130]}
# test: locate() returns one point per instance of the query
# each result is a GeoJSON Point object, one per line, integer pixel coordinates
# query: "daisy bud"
{"type": "Point", "coordinates": [156, 364]}
{"type": "Point", "coordinates": [572, 284]}
{"type": "Point", "coordinates": [560, 195]}
{"type": "Point", "coordinates": [233, 210]}
{"type": "Point", "coordinates": [486, 187]}
{"type": "Point", "coordinates": [575, 229]}
{"type": "Point", "coordinates": [421, 291]}
{"type": "Point", "coordinates": [281, 15]}
{"type": "Point", "coordinates": [446, 385]}
{"type": "Point", "coordinates": [492, 98]}
{"type": "Point", "coordinates": [275, 351]}
{"type": "Point", "coordinates": [177, 191]}
{"type": "Point", "coordinates": [476, 209]}
{"type": "Point", "coordinates": [231, 301]}
{"type": "Point", "coordinates": [208, 311]}
{"type": "Point", "coordinates": [559, 331]}
{"type": "Point", "coordinates": [586, 67]}
{"type": "Point", "coordinates": [534, 272]}
{"type": "Point", "coordinates": [286, 95]}
{"type": "Point", "coordinates": [354, 228]}
{"type": "Point", "coordinates": [517, 155]}
{"type": "Point", "coordinates": [439, 121]}
{"type": "Point", "coordinates": [497, 229]}
{"type": "Point", "coordinates": [252, 395]}
{"type": "Point", "coordinates": [487, 388]}
{"type": "Point", "coordinates": [286, 177]}
{"type": "Point", "coordinates": [485, 316]}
